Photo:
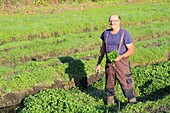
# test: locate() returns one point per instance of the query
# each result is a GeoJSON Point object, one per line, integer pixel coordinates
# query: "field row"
{"type": "Point", "coordinates": [29, 27]}
{"type": "Point", "coordinates": [82, 64]}
{"type": "Point", "coordinates": [151, 81]}
{"type": "Point", "coordinates": [38, 50]}
{"type": "Point", "coordinates": [15, 53]}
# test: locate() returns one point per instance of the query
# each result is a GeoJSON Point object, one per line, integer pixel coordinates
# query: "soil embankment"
{"type": "Point", "coordinates": [16, 98]}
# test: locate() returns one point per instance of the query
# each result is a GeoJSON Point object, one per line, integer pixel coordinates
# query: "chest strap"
{"type": "Point", "coordinates": [120, 43]}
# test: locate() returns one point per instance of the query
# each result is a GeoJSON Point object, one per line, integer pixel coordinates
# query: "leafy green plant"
{"type": "Point", "coordinates": [151, 98]}
{"type": "Point", "coordinates": [32, 46]}
{"type": "Point", "coordinates": [112, 55]}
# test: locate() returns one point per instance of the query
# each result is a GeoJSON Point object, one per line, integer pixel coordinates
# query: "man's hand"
{"type": "Point", "coordinates": [98, 68]}
{"type": "Point", "coordinates": [118, 58]}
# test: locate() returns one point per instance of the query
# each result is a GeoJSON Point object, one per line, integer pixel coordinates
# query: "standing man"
{"type": "Point", "coordinates": [120, 40]}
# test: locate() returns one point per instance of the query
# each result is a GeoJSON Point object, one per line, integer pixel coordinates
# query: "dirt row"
{"type": "Point", "coordinates": [16, 98]}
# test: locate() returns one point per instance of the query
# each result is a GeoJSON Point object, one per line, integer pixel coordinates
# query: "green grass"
{"type": "Point", "coordinates": [29, 27]}
{"type": "Point", "coordinates": [151, 85]}
{"type": "Point", "coordinates": [66, 67]}
{"type": "Point", "coordinates": [37, 49]}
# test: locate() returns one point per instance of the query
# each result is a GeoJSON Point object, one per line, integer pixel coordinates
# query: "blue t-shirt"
{"type": "Point", "coordinates": [114, 40]}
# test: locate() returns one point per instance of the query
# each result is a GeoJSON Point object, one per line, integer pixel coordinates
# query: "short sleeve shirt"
{"type": "Point", "coordinates": [114, 40]}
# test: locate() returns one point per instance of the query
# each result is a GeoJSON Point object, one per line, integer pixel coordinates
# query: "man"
{"type": "Point", "coordinates": [120, 40]}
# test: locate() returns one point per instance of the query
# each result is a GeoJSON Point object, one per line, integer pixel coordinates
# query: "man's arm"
{"type": "Point", "coordinates": [101, 55]}
{"type": "Point", "coordinates": [129, 52]}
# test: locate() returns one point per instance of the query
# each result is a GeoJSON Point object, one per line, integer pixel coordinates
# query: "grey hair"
{"type": "Point", "coordinates": [117, 15]}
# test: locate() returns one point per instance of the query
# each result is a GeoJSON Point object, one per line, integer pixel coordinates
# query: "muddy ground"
{"type": "Point", "coordinates": [11, 100]}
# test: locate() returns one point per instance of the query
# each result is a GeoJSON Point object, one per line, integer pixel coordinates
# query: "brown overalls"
{"type": "Point", "coordinates": [121, 71]}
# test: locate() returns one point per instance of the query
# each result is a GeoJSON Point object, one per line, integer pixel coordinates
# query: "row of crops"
{"type": "Point", "coordinates": [152, 87]}
{"type": "Point", "coordinates": [48, 2]}
{"type": "Point", "coordinates": [78, 64]}
{"type": "Point", "coordinates": [37, 50]}
{"type": "Point", "coordinates": [29, 27]}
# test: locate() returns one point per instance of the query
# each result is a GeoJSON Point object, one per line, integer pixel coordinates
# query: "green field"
{"type": "Point", "coordinates": [55, 47]}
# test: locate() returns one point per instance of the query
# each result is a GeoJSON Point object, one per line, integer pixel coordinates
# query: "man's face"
{"type": "Point", "coordinates": [114, 22]}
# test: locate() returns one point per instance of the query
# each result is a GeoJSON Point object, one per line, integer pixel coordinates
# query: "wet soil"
{"type": "Point", "coordinates": [11, 100]}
